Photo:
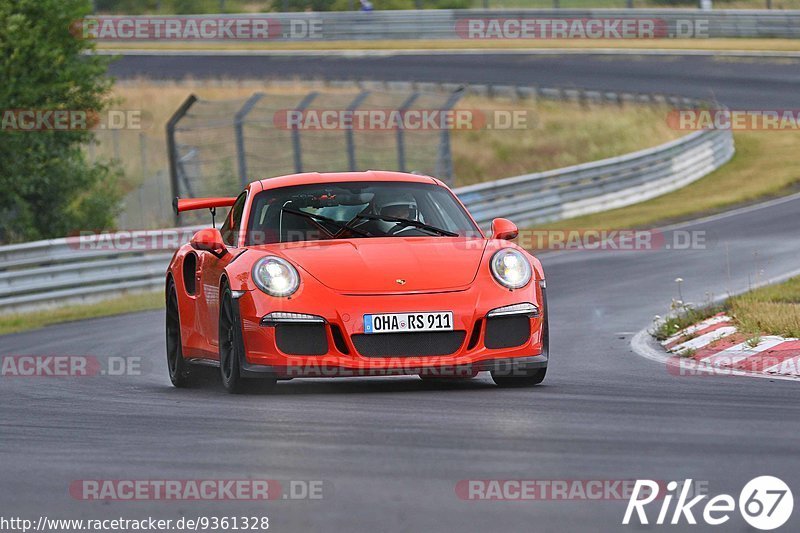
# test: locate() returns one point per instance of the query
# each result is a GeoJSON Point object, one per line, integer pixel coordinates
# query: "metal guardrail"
{"type": "Point", "coordinates": [77, 269]}
{"type": "Point", "coordinates": [85, 268]}
{"type": "Point", "coordinates": [450, 24]}
{"type": "Point", "coordinates": [599, 185]}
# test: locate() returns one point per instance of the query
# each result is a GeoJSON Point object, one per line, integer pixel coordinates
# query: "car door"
{"type": "Point", "coordinates": [212, 267]}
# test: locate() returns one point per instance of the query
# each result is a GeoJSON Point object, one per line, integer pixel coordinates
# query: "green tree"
{"type": "Point", "coordinates": [47, 186]}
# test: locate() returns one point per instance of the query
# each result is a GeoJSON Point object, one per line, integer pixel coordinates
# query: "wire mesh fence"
{"type": "Point", "coordinates": [141, 157]}
{"type": "Point", "coordinates": [219, 146]}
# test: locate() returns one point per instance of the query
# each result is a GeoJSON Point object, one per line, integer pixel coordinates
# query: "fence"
{"type": "Point", "coordinates": [142, 158]}
{"type": "Point", "coordinates": [219, 146]}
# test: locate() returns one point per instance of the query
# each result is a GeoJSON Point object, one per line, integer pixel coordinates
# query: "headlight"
{"type": "Point", "coordinates": [276, 276]}
{"type": "Point", "coordinates": [511, 269]}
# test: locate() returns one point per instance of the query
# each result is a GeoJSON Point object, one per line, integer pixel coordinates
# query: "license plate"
{"type": "Point", "coordinates": [408, 322]}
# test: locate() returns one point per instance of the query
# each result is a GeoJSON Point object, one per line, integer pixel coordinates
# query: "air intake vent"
{"type": "Point", "coordinates": [507, 331]}
{"type": "Point", "coordinates": [301, 339]}
{"type": "Point", "coordinates": [476, 334]}
{"type": "Point", "coordinates": [338, 339]}
{"type": "Point", "coordinates": [427, 343]}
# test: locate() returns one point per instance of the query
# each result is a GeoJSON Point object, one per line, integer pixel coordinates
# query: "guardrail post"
{"type": "Point", "coordinates": [348, 131]}
{"type": "Point", "coordinates": [238, 125]}
{"type": "Point", "coordinates": [296, 147]}
{"type": "Point", "coordinates": [444, 163]}
{"type": "Point", "coordinates": [401, 148]}
{"type": "Point", "coordinates": [172, 147]}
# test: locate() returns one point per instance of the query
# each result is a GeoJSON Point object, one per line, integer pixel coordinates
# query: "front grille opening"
{"type": "Point", "coordinates": [338, 340]}
{"type": "Point", "coordinates": [421, 344]}
{"type": "Point", "coordinates": [301, 339]}
{"type": "Point", "coordinates": [476, 334]}
{"type": "Point", "coordinates": [507, 331]}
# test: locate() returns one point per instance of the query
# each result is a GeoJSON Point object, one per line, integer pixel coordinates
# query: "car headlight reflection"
{"type": "Point", "coordinates": [276, 276]}
{"type": "Point", "coordinates": [511, 269]}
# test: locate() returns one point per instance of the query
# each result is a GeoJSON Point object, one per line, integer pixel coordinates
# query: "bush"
{"type": "Point", "coordinates": [49, 188]}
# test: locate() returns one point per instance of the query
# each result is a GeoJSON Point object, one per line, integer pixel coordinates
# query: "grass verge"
{"type": "Point", "coordinates": [777, 45]}
{"type": "Point", "coordinates": [773, 310]}
{"type": "Point", "coordinates": [682, 317]}
{"type": "Point", "coordinates": [764, 165]}
{"type": "Point", "coordinates": [769, 310]}
{"type": "Point", "coordinates": [131, 303]}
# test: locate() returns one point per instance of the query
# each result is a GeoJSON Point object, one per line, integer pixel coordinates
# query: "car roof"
{"type": "Point", "coordinates": [308, 178]}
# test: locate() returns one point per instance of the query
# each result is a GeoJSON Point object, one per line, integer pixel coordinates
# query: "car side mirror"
{"type": "Point", "coordinates": [504, 229]}
{"type": "Point", "coordinates": [209, 240]}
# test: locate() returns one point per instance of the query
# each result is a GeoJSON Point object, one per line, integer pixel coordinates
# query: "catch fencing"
{"type": "Point", "coordinates": [216, 147]}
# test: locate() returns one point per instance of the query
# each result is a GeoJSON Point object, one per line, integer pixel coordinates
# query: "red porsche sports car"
{"type": "Point", "coordinates": [353, 274]}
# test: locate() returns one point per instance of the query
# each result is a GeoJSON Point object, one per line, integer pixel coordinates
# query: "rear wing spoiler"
{"type": "Point", "coordinates": [190, 204]}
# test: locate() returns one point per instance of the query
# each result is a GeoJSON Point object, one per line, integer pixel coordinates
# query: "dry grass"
{"type": "Point", "coordinates": [764, 165]}
{"type": "Point", "coordinates": [781, 45]}
{"type": "Point", "coordinates": [557, 134]}
{"type": "Point", "coordinates": [157, 102]}
{"type": "Point", "coordinates": [129, 303]}
{"type": "Point", "coordinates": [774, 310]}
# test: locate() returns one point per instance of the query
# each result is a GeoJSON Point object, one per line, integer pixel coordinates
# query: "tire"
{"type": "Point", "coordinates": [178, 368]}
{"type": "Point", "coordinates": [531, 377]}
{"type": "Point", "coordinates": [231, 350]}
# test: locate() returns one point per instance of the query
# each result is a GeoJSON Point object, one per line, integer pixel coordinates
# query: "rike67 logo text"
{"type": "Point", "coordinates": [765, 503]}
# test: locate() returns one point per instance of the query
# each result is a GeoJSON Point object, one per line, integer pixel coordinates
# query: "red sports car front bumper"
{"type": "Point", "coordinates": [331, 341]}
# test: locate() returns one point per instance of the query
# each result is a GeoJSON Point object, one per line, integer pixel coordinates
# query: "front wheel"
{"type": "Point", "coordinates": [531, 378]}
{"type": "Point", "coordinates": [231, 351]}
{"type": "Point", "coordinates": [179, 373]}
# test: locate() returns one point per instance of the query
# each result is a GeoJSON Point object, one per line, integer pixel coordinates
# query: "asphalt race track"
{"type": "Point", "coordinates": [735, 81]}
{"type": "Point", "coordinates": [390, 451]}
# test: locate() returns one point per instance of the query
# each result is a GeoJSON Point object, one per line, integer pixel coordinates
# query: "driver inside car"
{"type": "Point", "coordinates": [400, 207]}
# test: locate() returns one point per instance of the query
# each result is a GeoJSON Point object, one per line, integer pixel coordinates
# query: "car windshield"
{"type": "Point", "coordinates": [356, 210]}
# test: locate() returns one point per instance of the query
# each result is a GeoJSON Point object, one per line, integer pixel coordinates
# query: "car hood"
{"type": "Point", "coordinates": [390, 265]}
